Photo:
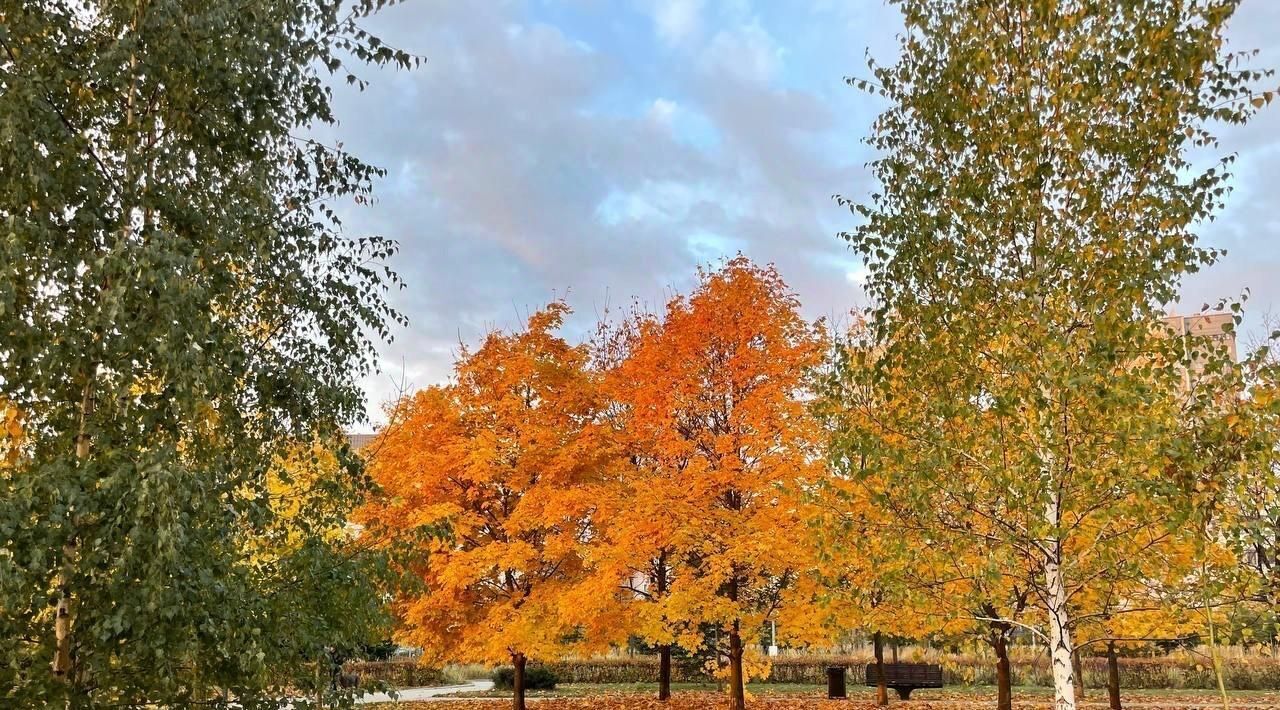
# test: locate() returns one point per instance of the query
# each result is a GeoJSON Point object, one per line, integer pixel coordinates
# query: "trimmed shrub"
{"type": "Point", "coordinates": [396, 674]}
{"type": "Point", "coordinates": [1170, 672]}
{"type": "Point", "coordinates": [1175, 673]}
{"type": "Point", "coordinates": [629, 669]}
{"type": "Point", "coordinates": [535, 678]}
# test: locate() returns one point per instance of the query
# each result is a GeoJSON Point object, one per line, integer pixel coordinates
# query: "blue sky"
{"type": "Point", "coordinates": [601, 150]}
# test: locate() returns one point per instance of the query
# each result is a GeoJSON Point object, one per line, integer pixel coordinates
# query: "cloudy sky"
{"type": "Point", "coordinates": [601, 149]}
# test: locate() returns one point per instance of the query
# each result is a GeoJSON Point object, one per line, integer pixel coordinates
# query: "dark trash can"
{"type": "Point", "coordinates": [835, 682]}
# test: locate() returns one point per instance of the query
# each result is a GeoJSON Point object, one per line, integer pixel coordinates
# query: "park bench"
{"type": "Point", "coordinates": [906, 677]}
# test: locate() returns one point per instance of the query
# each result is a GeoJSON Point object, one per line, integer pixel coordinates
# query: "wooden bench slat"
{"type": "Point", "coordinates": [906, 677]}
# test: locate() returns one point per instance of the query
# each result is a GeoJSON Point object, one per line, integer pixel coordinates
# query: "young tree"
{"type": "Point", "coordinates": [909, 570]}
{"type": "Point", "coordinates": [179, 306]}
{"type": "Point", "coordinates": [632, 556]}
{"type": "Point", "coordinates": [1034, 210]}
{"type": "Point", "coordinates": [1229, 446]}
{"type": "Point", "coordinates": [713, 400]}
{"type": "Point", "coordinates": [496, 461]}
{"type": "Point", "coordinates": [1255, 531]}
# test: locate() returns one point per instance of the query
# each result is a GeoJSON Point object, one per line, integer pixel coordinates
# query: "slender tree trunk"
{"type": "Point", "coordinates": [319, 684]}
{"type": "Point", "coordinates": [1077, 670]}
{"type": "Point", "coordinates": [1113, 676]}
{"type": "Point", "coordinates": [737, 688]}
{"type": "Point", "coordinates": [517, 696]}
{"type": "Point", "coordinates": [1275, 588]}
{"type": "Point", "coordinates": [882, 691]}
{"type": "Point", "coordinates": [1216, 658]}
{"type": "Point", "coordinates": [62, 614]}
{"type": "Point", "coordinates": [664, 672]}
{"type": "Point", "coordinates": [1004, 680]}
{"type": "Point", "coordinates": [64, 610]}
{"type": "Point", "coordinates": [664, 651]}
{"type": "Point", "coordinates": [893, 647]}
{"type": "Point", "coordinates": [1064, 697]}
{"type": "Point", "coordinates": [1213, 634]}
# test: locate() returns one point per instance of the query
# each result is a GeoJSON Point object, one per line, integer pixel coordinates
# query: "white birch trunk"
{"type": "Point", "coordinates": [1064, 691]}
{"type": "Point", "coordinates": [64, 610]}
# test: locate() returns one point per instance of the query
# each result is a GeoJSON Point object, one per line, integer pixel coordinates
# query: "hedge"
{"type": "Point", "coordinates": [1166, 672]}
{"type": "Point", "coordinates": [537, 677]}
{"type": "Point", "coordinates": [397, 674]}
{"type": "Point", "coordinates": [1176, 673]}
{"type": "Point", "coordinates": [628, 669]}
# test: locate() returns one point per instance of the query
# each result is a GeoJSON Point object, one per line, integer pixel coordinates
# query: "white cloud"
{"type": "Point", "coordinates": [509, 183]}
{"type": "Point", "coordinates": [662, 112]}
{"type": "Point", "coordinates": [857, 276]}
{"type": "Point", "coordinates": [664, 201]}
{"type": "Point", "coordinates": [748, 53]}
{"type": "Point", "coordinates": [676, 20]}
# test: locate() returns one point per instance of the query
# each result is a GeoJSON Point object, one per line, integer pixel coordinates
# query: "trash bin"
{"type": "Point", "coordinates": [835, 682]}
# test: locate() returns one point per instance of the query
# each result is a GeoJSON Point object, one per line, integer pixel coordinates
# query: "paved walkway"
{"type": "Point", "coordinates": [427, 693]}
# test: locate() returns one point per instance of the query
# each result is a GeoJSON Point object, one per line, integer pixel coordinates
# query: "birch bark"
{"type": "Point", "coordinates": [1064, 697]}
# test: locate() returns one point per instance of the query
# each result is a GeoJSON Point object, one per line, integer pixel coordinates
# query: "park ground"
{"type": "Point", "coordinates": [809, 697]}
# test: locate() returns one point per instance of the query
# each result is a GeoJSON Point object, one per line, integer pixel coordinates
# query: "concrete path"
{"type": "Point", "coordinates": [427, 693]}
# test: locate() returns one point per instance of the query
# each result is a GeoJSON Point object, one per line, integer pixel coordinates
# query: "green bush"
{"type": "Point", "coordinates": [535, 678]}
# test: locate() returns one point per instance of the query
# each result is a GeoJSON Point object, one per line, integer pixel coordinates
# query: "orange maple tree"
{"type": "Point", "coordinates": [703, 523]}
{"type": "Point", "coordinates": [485, 473]}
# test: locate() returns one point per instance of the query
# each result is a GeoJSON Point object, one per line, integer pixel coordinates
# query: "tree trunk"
{"type": "Point", "coordinates": [319, 684]}
{"type": "Point", "coordinates": [1213, 638]}
{"type": "Point", "coordinates": [737, 688]}
{"type": "Point", "coordinates": [1055, 593]}
{"type": "Point", "coordinates": [1217, 659]}
{"type": "Point", "coordinates": [1077, 670]}
{"type": "Point", "coordinates": [1004, 680]}
{"type": "Point", "coordinates": [882, 691]}
{"type": "Point", "coordinates": [1064, 697]}
{"type": "Point", "coordinates": [64, 608]}
{"type": "Point", "coordinates": [664, 651]}
{"type": "Point", "coordinates": [664, 672]}
{"type": "Point", "coordinates": [62, 615]}
{"type": "Point", "coordinates": [1113, 676]}
{"type": "Point", "coordinates": [517, 696]}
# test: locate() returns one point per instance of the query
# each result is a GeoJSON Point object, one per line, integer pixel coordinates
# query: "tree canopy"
{"type": "Point", "coordinates": [1036, 207]}
{"type": "Point", "coordinates": [180, 309]}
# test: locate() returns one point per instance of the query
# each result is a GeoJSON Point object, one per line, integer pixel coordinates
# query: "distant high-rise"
{"type": "Point", "coordinates": [359, 441]}
{"type": "Point", "coordinates": [1208, 325]}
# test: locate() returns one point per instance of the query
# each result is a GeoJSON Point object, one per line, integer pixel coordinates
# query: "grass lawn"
{"type": "Point", "coordinates": [784, 696]}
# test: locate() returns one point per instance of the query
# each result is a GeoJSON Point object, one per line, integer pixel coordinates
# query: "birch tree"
{"type": "Point", "coordinates": [1036, 205]}
{"type": "Point", "coordinates": [179, 307]}
{"type": "Point", "coordinates": [921, 569]}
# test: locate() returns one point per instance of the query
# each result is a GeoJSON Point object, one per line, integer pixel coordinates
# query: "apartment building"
{"type": "Point", "coordinates": [1210, 325]}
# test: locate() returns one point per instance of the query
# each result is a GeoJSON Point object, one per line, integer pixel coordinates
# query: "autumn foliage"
{"type": "Point", "coordinates": [488, 472]}
{"type": "Point", "coordinates": [704, 522]}
{"type": "Point", "coordinates": [653, 490]}
{"type": "Point", "coordinates": [690, 478]}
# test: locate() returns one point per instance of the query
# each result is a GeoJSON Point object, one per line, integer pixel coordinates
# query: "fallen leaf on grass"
{"type": "Point", "coordinates": [936, 700]}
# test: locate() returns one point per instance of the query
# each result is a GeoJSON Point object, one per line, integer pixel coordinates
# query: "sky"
{"type": "Point", "coordinates": [600, 150]}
